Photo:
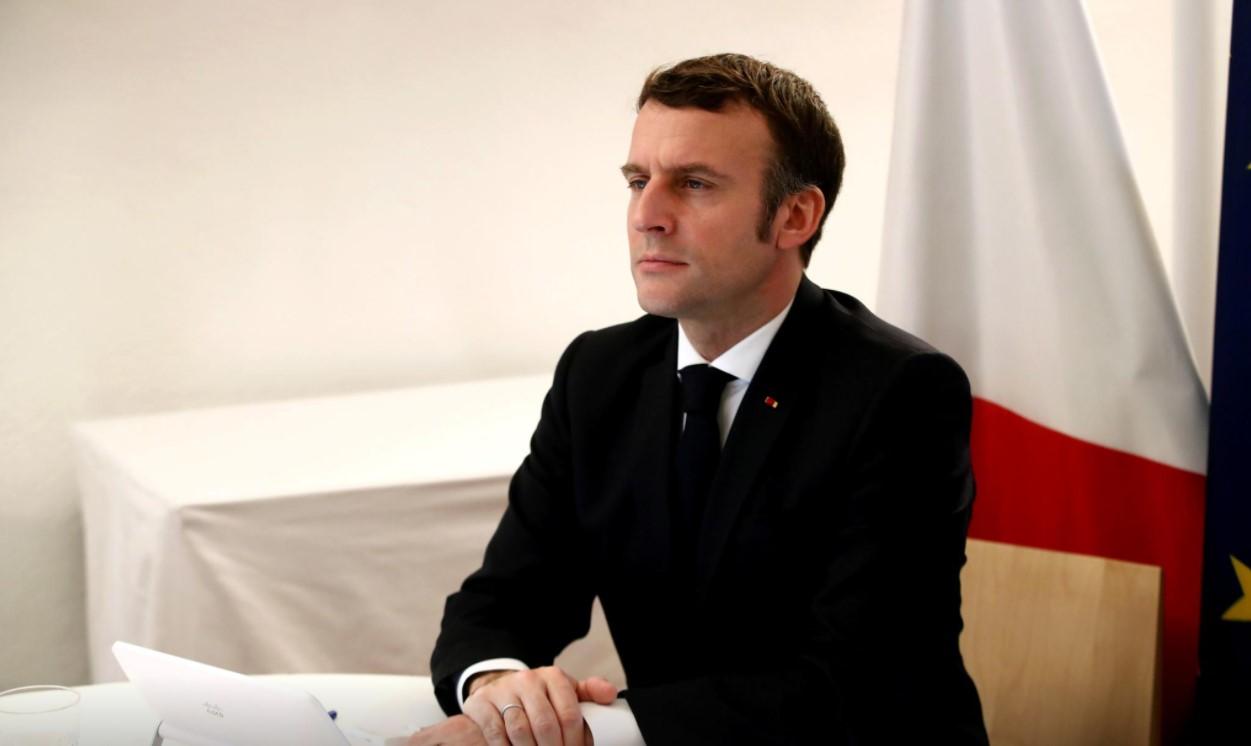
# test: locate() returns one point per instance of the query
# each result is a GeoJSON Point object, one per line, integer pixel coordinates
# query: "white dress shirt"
{"type": "Point", "coordinates": [614, 725]}
{"type": "Point", "coordinates": [740, 361]}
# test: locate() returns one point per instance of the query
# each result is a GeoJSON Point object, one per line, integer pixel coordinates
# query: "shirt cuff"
{"type": "Point", "coordinates": [494, 664]}
{"type": "Point", "coordinates": [612, 725]}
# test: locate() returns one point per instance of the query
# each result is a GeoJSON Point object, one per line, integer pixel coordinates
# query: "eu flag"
{"type": "Point", "coordinates": [1225, 641]}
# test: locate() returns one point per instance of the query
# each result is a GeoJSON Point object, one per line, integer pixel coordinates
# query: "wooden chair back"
{"type": "Point", "coordinates": [1065, 648]}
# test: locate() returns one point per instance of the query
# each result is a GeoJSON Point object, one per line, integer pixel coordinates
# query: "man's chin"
{"type": "Point", "coordinates": [660, 304]}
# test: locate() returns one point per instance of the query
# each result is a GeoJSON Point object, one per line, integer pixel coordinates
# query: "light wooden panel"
{"type": "Point", "coordinates": [1064, 648]}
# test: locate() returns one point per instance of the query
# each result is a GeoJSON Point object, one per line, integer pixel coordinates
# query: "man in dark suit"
{"type": "Point", "coordinates": [767, 487]}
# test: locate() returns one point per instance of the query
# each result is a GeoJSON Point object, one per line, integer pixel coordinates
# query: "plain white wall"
{"type": "Point", "coordinates": [216, 202]}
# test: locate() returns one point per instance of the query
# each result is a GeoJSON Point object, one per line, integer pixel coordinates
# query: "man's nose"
{"type": "Point", "coordinates": [652, 210]}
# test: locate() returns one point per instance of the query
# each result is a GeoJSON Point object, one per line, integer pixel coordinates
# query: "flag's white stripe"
{"type": "Point", "coordinates": [1200, 75]}
{"type": "Point", "coordinates": [1015, 238]}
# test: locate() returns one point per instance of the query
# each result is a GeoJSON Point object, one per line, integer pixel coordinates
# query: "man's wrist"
{"type": "Point", "coordinates": [479, 680]}
{"type": "Point", "coordinates": [487, 666]}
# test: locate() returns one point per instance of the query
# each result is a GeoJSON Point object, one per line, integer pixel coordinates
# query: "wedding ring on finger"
{"type": "Point", "coordinates": [504, 710]}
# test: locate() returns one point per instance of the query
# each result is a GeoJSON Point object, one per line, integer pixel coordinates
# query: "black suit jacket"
{"type": "Point", "coordinates": [825, 605]}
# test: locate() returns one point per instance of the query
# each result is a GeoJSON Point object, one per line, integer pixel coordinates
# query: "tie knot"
{"type": "Point", "coordinates": [701, 388]}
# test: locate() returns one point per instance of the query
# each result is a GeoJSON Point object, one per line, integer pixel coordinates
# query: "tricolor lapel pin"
{"type": "Point", "coordinates": [771, 403]}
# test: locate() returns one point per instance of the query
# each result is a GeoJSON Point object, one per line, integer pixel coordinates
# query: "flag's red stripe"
{"type": "Point", "coordinates": [1041, 488]}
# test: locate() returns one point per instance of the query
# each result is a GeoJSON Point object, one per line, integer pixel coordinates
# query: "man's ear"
{"type": "Point", "coordinates": [798, 217]}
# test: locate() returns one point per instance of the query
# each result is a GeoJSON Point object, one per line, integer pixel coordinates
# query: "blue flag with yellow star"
{"type": "Point", "coordinates": [1225, 633]}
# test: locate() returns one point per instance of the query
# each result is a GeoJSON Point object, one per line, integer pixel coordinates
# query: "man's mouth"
{"type": "Point", "coordinates": [655, 262]}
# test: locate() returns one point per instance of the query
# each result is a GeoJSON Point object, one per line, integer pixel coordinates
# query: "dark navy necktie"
{"type": "Point", "coordinates": [699, 448]}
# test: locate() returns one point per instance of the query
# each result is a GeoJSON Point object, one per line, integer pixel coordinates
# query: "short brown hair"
{"type": "Point", "coordinates": [809, 150]}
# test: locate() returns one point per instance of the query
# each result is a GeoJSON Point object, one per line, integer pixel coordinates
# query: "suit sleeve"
{"type": "Point", "coordinates": [530, 598]}
{"type": "Point", "coordinates": [879, 660]}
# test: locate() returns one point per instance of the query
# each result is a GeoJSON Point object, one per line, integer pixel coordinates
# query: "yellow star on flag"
{"type": "Point", "coordinates": [1241, 610]}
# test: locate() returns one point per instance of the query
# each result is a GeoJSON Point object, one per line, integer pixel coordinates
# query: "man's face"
{"type": "Point", "coordinates": [695, 180]}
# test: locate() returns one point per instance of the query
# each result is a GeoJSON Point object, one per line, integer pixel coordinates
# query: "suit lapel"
{"type": "Point", "coordinates": [775, 390]}
{"type": "Point", "coordinates": [654, 444]}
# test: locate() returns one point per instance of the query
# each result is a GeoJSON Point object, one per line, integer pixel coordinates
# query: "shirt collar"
{"type": "Point", "coordinates": [741, 360]}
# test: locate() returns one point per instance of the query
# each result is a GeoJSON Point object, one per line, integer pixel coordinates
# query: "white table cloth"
{"type": "Point", "coordinates": [117, 715]}
{"type": "Point", "coordinates": [301, 536]}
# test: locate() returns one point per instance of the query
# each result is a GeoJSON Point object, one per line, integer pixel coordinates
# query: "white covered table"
{"type": "Point", "coordinates": [117, 715]}
{"type": "Point", "coordinates": [300, 536]}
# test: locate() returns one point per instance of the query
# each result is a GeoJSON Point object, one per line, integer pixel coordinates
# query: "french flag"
{"type": "Point", "coordinates": [1016, 241]}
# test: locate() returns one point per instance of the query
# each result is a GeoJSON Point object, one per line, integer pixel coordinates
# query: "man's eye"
{"type": "Point", "coordinates": [636, 185]}
{"type": "Point", "coordinates": [696, 184]}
